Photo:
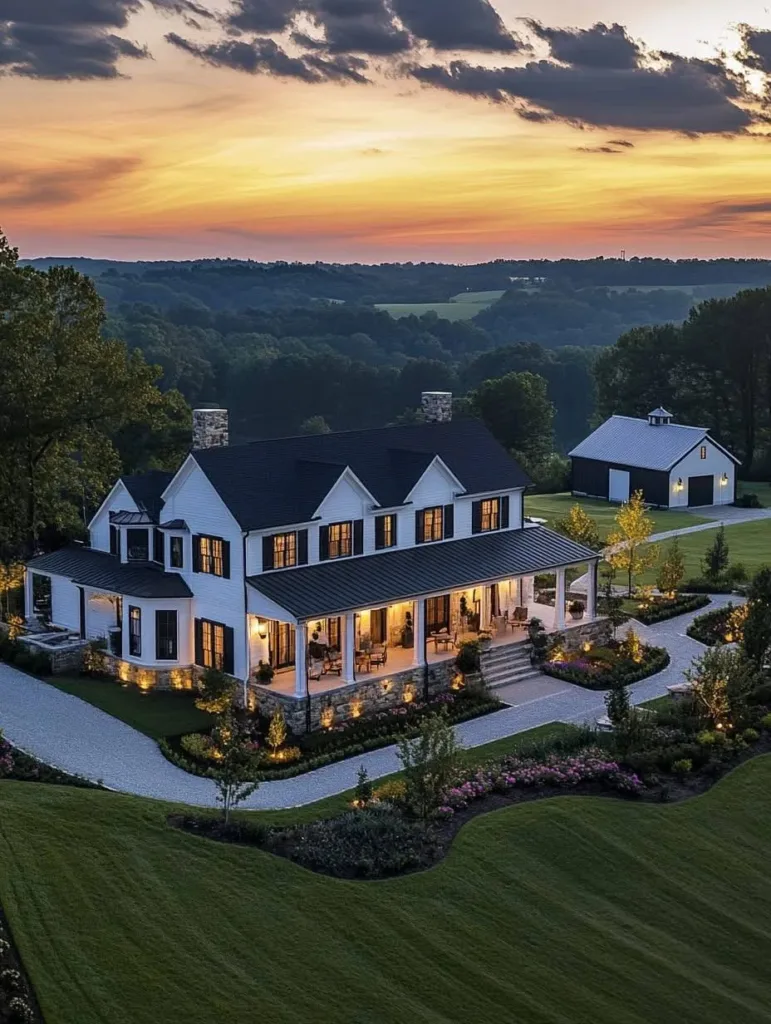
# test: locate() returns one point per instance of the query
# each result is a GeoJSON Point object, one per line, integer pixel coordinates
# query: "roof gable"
{"type": "Point", "coordinates": [437, 463]}
{"type": "Point", "coordinates": [627, 441]}
{"type": "Point", "coordinates": [283, 481]}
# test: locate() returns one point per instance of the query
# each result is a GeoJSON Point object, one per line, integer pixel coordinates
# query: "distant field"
{"type": "Point", "coordinates": [464, 306]}
{"type": "Point", "coordinates": [696, 291]}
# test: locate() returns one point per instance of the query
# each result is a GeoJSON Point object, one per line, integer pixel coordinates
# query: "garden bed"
{"type": "Point", "coordinates": [663, 608]}
{"type": "Point", "coordinates": [605, 667]}
{"type": "Point", "coordinates": [18, 1004]}
{"type": "Point", "coordinates": [380, 842]}
{"type": "Point", "coordinates": [713, 629]}
{"type": "Point", "coordinates": [348, 739]}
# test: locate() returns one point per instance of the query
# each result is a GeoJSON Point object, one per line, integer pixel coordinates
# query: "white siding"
{"type": "Point", "coordinates": [185, 647]}
{"type": "Point", "coordinates": [65, 603]}
{"type": "Point", "coordinates": [715, 465]}
{"type": "Point", "coordinates": [192, 497]}
{"type": "Point", "coordinates": [100, 615]}
{"type": "Point", "coordinates": [118, 500]}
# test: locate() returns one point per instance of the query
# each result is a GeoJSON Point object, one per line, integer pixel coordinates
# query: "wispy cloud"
{"type": "Point", "coordinates": [63, 184]}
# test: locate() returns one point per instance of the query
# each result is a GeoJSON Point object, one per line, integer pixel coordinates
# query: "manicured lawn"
{"type": "Point", "coordinates": [762, 490]}
{"type": "Point", "coordinates": [556, 912]}
{"type": "Point", "coordinates": [555, 506]}
{"type": "Point", "coordinates": [155, 713]}
{"type": "Point", "coordinates": [748, 543]}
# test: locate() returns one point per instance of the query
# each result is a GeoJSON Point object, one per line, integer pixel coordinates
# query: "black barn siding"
{"type": "Point", "coordinates": [590, 477]}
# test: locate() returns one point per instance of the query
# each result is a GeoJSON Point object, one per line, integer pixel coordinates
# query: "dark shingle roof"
{"type": "Point", "coordinates": [284, 480]}
{"type": "Point", "coordinates": [334, 587]}
{"type": "Point", "coordinates": [146, 490]}
{"type": "Point", "coordinates": [99, 569]}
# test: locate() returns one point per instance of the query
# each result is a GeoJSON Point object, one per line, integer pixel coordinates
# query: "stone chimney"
{"type": "Point", "coordinates": [210, 427]}
{"type": "Point", "coordinates": [437, 406]}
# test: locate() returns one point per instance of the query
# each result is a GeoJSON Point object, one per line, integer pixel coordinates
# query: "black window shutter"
{"type": "Point", "coordinates": [449, 521]}
{"type": "Point", "coordinates": [226, 559]}
{"type": "Point", "coordinates": [476, 517]}
{"type": "Point", "coordinates": [228, 650]}
{"type": "Point", "coordinates": [394, 535]}
{"type": "Point", "coordinates": [196, 553]}
{"type": "Point", "coordinates": [358, 536]}
{"type": "Point", "coordinates": [323, 543]}
{"type": "Point", "coordinates": [505, 512]}
{"type": "Point", "coordinates": [379, 532]}
{"type": "Point", "coordinates": [198, 642]}
{"type": "Point", "coordinates": [419, 538]}
{"type": "Point", "coordinates": [267, 553]}
{"type": "Point", "coordinates": [302, 547]}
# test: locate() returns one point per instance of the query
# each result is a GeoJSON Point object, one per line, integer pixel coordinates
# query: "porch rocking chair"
{"type": "Point", "coordinates": [379, 654]}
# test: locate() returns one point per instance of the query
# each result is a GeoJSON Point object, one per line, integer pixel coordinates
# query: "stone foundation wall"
{"type": "Point", "coordinates": [148, 678]}
{"type": "Point", "coordinates": [596, 632]}
{"type": "Point", "coordinates": [354, 700]}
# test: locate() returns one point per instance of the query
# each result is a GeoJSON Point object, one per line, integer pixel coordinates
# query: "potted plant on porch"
{"type": "Point", "coordinates": [265, 673]}
{"type": "Point", "coordinates": [576, 609]}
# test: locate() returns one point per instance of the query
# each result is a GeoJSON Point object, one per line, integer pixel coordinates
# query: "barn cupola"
{"type": "Point", "coordinates": [659, 417]}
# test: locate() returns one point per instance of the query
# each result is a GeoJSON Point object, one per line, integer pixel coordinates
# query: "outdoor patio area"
{"type": "Point", "coordinates": [401, 659]}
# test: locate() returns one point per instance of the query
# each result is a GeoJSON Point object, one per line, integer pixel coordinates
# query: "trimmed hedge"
{"type": "Point", "coordinates": [358, 737]}
{"type": "Point", "coordinates": [655, 659]}
{"type": "Point", "coordinates": [661, 610]}
{"type": "Point", "coordinates": [710, 629]}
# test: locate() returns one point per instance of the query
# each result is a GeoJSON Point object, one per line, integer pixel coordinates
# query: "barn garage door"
{"type": "Point", "coordinates": [701, 490]}
{"type": "Point", "coordinates": [618, 485]}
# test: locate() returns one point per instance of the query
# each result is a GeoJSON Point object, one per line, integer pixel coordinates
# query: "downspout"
{"type": "Point", "coordinates": [247, 649]}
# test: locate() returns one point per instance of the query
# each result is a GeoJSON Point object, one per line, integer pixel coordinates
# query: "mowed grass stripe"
{"type": "Point", "coordinates": [559, 912]}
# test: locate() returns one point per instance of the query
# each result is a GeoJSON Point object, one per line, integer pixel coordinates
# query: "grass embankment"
{"type": "Point", "coordinates": [156, 713]}
{"type": "Point", "coordinates": [566, 910]}
{"type": "Point", "coordinates": [748, 543]}
{"type": "Point", "coordinates": [556, 506]}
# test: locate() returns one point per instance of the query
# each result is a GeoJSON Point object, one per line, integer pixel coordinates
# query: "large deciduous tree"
{"type": "Point", "coordinates": [517, 411]}
{"type": "Point", "coordinates": [66, 396]}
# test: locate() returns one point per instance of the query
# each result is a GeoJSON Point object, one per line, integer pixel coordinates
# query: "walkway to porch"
{"type": "Point", "coordinates": [402, 659]}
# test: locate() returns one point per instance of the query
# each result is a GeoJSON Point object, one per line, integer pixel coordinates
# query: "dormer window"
{"type": "Point", "coordinates": [137, 546]}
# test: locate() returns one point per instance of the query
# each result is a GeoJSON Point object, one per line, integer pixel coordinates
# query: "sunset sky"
{"type": "Point", "coordinates": [375, 130]}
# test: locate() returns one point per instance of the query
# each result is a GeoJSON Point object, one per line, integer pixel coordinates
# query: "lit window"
{"type": "Point", "coordinates": [211, 556]}
{"type": "Point", "coordinates": [433, 523]}
{"type": "Point", "coordinates": [703, 452]}
{"type": "Point", "coordinates": [491, 514]}
{"type": "Point", "coordinates": [385, 532]}
{"type": "Point", "coordinates": [284, 550]}
{"type": "Point", "coordinates": [213, 644]}
{"type": "Point", "coordinates": [340, 540]}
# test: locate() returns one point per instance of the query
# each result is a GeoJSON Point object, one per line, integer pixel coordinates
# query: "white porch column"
{"type": "Point", "coordinates": [485, 610]}
{"type": "Point", "coordinates": [419, 618]}
{"type": "Point", "coordinates": [526, 590]}
{"type": "Point", "coordinates": [29, 609]}
{"type": "Point", "coordinates": [349, 644]}
{"type": "Point", "coordinates": [591, 591]}
{"type": "Point", "coordinates": [559, 601]}
{"type": "Point", "coordinates": [300, 659]}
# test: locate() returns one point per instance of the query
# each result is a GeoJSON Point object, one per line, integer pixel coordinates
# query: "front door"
{"type": "Point", "coordinates": [282, 644]}
{"type": "Point", "coordinates": [437, 614]}
{"type": "Point", "coordinates": [618, 485]}
{"type": "Point", "coordinates": [378, 622]}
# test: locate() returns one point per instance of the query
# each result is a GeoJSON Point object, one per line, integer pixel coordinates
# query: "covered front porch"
{"type": "Point", "coordinates": [321, 654]}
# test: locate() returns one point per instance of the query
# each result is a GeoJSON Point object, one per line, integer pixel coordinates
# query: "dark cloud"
{"type": "Point", "coordinates": [263, 15]}
{"type": "Point", "coordinates": [75, 39]}
{"type": "Point", "coordinates": [756, 48]}
{"type": "Point", "coordinates": [679, 95]}
{"type": "Point", "coordinates": [263, 56]}
{"type": "Point", "coordinates": [63, 185]}
{"type": "Point", "coordinates": [597, 149]}
{"type": "Point", "coordinates": [601, 46]}
{"type": "Point", "coordinates": [623, 143]}
{"type": "Point", "coordinates": [357, 26]}
{"type": "Point", "coordinates": [456, 24]}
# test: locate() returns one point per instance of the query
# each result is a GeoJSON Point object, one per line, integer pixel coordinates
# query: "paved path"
{"type": "Point", "coordinates": [65, 731]}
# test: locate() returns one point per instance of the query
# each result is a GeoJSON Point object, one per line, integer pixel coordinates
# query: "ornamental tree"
{"type": "Point", "coordinates": [756, 633]}
{"type": "Point", "coordinates": [715, 561]}
{"type": "Point", "coordinates": [628, 548]}
{"type": "Point", "coordinates": [671, 571]}
{"type": "Point", "coordinates": [580, 527]}
{"type": "Point", "coordinates": [429, 762]}
{"type": "Point", "coordinates": [234, 768]}
{"type": "Point", "coordinates": [277, 730]}
{"type": "Point", "coordinates": [721, 680]}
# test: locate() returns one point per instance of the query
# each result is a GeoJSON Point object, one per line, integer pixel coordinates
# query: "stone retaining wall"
{"type": "Point", "coordinates": [148, 678]}
{"type": "Point", "coordinates": [596, 631]}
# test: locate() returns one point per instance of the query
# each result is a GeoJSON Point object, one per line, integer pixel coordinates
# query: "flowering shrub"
{"type": "Point", "coordinates": [605, 667]}
{"type": "Point", "coordinates": [555, 770]}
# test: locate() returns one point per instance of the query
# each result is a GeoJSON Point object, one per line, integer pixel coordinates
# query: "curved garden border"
{"type": "Point", "coordinates": [655, 660]}
{"type": "Point", "coordinates": [662, 612]}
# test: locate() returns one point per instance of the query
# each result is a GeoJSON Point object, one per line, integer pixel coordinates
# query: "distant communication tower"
{"type": "Point", "coordinates": [623, 255]}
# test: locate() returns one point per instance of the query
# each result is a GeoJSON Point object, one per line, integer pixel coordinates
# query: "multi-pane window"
{"type": "Point", "coordinates": [166, 636]}
{"type": "Point", "coordinates": [340, 540]}
{"type": "Point", "coordinates": [703, 452]}
{"type": "Point", "coordinates": [385, 532]}
{"type": "Point", "coordinates": [176, 553]}
{"type": "Point", "coordinates": [433, 523]}
{"type": "Point", "coordinates": [137, 545]}
{"type": "Point", "coordinates": [491, 514]}
{"type": "Point", "coordinates": [210, 550]}
{"type": "Point", "coordinates": [135, 632]}
{"type": "Point", "coordinates": [213, 644]}
{"type": "Point", "coordinates": [284, 550]}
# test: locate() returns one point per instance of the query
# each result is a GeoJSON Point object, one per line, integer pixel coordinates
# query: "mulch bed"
{"type": "Point", "coordinates": [668, 788]}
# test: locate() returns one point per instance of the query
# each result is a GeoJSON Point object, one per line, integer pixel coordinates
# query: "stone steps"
{"type": "Point", "coordinates": [503, 666]}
